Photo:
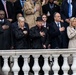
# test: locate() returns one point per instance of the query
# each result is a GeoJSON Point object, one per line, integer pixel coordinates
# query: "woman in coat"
{"type": "Point", "coordinates": [32, 9]}
{"type": "Point", "coordinates": [71, 32]}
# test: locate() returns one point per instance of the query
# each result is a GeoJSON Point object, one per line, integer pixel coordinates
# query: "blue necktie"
{"type": "Point", "coordinates": [22, 3]}
{"type": "Point", "coordinates": [70, 10]}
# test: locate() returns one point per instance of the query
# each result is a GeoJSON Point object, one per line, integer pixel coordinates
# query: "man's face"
{"type": "Point", "coordinates": [57, 17]}
{"type": "Point", "coordinates": [21, 23]}
{"type": "Point", "coordinates": [51, 1]}
{"type": "Point", "coordinates": [39, 23]}
{"type": "Point", "coordinates": [2, 14]}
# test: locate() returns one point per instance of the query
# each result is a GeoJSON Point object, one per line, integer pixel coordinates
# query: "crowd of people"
{"type": "Point", "coordinates": [37, 24]}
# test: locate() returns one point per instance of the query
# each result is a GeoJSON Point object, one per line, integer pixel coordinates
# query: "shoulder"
{"type": "Point", "coordinates": [33, 28]}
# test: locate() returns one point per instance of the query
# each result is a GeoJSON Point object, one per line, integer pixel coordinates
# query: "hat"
{"type": "Point", "coordinates": [39, 19]}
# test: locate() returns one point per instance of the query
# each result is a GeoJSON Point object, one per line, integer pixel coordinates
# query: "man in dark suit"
{"type": "Point", "coordinates": [57, 33]}
{"type": "Point", "coordinates": [20, 34]}
{"type": "Point", "coordinates": [8, 8]}
{"type": "Point", "coordinates": [68, 10]}
{"type": "Point", "coordinates": [5, 35]}
{"type": "Point", "coordinates": [39, 35]}
{"type": "Point", "coordinates": [19, 4]}
{"type": "Point", "coordinates": [49, 9]}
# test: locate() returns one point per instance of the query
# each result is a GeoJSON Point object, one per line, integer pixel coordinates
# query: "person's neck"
{"type": "Point", "coordinates": [51, 3]}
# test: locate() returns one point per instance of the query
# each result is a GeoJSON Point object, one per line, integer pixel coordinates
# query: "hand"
{"type": "Point", "coordinates": [43, 2]}
{"type": "Point", "coordinates": [62, 29]}
{"type": "Point", "coordinates": [56, 2]}
{"type": "Point", "coordinates": [44, 46]}
{"type": "Point", "coordinates": [5, 27]}
{"type": "Point", "coordinates": [62, 20]}
{"type": "Point", "coordinates": [49, 46]}
{"type": "Point", "coordinates": [67, 20]}
{"type": "Point", "coordinates": [37, 8]}
{"type": "Point", "coordinates": [25, 32]}
{"type": "Point", "coordinates": [42, 34]}
{"type": "Point", "coordinates": [10, 20]}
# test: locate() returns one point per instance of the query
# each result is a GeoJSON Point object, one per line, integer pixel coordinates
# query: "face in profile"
{"type": "Point", "coordinates": [57, 17]}
{"type": "Point", "coordinates": [73, 23]}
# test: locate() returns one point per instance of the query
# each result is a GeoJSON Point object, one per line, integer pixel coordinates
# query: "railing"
{"type": "Point", "coordinates": [46, 53]}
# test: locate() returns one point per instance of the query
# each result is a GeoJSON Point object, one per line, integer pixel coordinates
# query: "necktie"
{"type": "Point", "coordinates": [22, 3]}
{"type": "Point", "coordinates": [70, 9]}
{"type": "Point", "coordinates": [58, 25]}
{"type": "Point", "coordinates": [5, 8]}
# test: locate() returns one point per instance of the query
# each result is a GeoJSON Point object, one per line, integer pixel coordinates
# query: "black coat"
{"type": "Point", "coordinates": [46, 8]}
{"type": "Point", "coordinates": [20, 40]}
{"type": "Point", "coordinates": [18, 7]}
{"type": "Point", "coordinates": [37, 41]}
{"type": "Point", "coordinates": [10, 9]}
{"type": "Point", "coordinates": [58, 39]}
{"type": "Point", "coordinates": [65, 8]}
{"type": "Point", "coordinates": [5, 36]}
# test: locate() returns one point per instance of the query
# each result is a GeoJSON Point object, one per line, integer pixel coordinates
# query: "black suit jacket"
{"type": "Point", "coordinates": [37, 41]}
{"type": "Point", "coordinates": [19, 39]}
{"type": "Point", "coordinates": [5, 36]}
{"type": "Point", "coordinates": [10, 9]}
{"type": "Point", "coordinates": [65, 8]}
{"type": "Point", "coordinates": [58, 39]}
{"type": "Point", "coordinates": [47, 8]}
{"type": "Point", "coordinates": [18, 7]}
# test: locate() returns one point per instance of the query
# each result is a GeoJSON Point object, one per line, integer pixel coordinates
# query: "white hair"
{"type": "Point", "coordinates": [21, 19]}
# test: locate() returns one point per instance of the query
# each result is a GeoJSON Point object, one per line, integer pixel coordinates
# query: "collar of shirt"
{"type": "Point", "coordinates": [57, 23]}
{"type": "Point", "coordinates": [44, 24]}
{"type": "Point", "coordinates": [2, 20]}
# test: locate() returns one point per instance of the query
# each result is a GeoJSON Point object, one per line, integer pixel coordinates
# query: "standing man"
{"type": "Point", "coordinates": [32, 10]}
{"type": "Point", "coordinates": [5, 33]}
{"type": "Point", "coordinates": [68, 10]}
{"type": "Point", "coordinates": [19, 4]}
{"type": "Point", "coordinates": [57, 33]}
{"type": "Point", "coordinates": [49, 9]}
{"type": "Point", "coordinates": [7, 7]}
{"type": "Point", "coordinates": [39, 35]}
{"type": "Point", "coordinates": [20, 31]}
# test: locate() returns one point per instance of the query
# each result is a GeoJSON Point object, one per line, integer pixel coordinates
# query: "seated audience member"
{"type": "Point", "coordinates": [71, 32]}
{"type": "Point", "coordinates": [20, 33]}
{"type": "Point", "coordinates": [5, 34]}
{"type": "Point", "coordinates": [57, 33]}
{"type": "Point", "coordinates": [39, 35]}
